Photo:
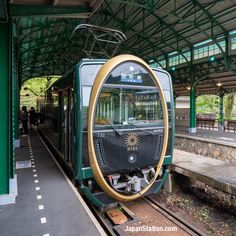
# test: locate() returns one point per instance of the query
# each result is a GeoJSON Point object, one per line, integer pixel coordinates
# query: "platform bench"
{"type": "Point", "coordinates": [230, 125]}
{"type": "Point", "coordinates": [206, 123]}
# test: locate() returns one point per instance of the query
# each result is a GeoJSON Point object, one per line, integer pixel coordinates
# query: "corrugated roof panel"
{"type": "Point", "coordinates": [171, 26]}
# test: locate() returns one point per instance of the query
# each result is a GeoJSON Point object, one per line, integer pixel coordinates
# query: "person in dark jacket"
{"type": "Point", "coordinates": [32, 117]}
{"type": "Point", "coordinates": [25, 120]}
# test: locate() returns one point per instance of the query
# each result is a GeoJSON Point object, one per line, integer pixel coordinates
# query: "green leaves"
{"type": "Point", "coordinates": [211, 104]}
{"type": "Point", "coordinates": [34, 88]}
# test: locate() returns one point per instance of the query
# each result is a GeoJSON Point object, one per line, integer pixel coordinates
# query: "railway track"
{"type": "Point", "coordinates": [137, 224]}
{"type": "Point", "coordinates": [135, 218]}
{"type": "Point", "coordinates": [188, 228]}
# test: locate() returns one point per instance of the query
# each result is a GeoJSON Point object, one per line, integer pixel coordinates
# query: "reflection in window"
{"type": "Point", "coordinates": [130, 73]}
{"type": "Point", "coordinates": [233, 43]}
{"type": "Point", "coordinates": [124, 106]}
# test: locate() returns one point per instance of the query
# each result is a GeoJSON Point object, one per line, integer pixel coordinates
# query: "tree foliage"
{"type": "Point", "coordinates": [32, 89]}
{"type": "Point", "coordinates": [229, 104]}
{"type": "Point", "coordinates": [208, 104]}
{"type": "Point", "coordinates": [211, 104]}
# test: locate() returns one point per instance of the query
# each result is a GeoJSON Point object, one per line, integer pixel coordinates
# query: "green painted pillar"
{"type": "Point", "coordinates": [14, 82]}
{"type": "Point", "coordinates": [192, 128]}
{"type": "Point", "coordinates": [4, 108]}
{"type": "Point", "coordinates": [15, 88]}
{"type": "Point", "coordinates": [221, 118]}
{"type": "Point", "coordinates": [13, 129]}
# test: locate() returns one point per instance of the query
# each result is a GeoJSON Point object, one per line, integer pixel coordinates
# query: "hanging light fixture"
{"type": "Point", "coordinates": [212, 58]}
{"type": "Point", "coordinates": [219, 84]}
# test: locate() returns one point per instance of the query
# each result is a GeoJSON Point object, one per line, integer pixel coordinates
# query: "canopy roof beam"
{"type": "Point", "coordinates": [50, 11]}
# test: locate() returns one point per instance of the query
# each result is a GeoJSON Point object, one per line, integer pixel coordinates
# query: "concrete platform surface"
{"type": "Point", "coordinates": [46, 204]}
{"type": "Point", "coordinates": [216, 173]}
{"type": "Point", "coordinates": [215, 136]}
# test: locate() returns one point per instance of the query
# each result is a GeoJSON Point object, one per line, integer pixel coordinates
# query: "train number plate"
{"type": "Point", "coordinates": [100, 135]}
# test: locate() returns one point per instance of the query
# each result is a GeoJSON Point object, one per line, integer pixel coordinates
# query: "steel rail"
{"type": "Point", "coordinates": [190, 229]}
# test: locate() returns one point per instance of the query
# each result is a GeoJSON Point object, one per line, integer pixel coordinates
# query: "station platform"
{"type": "Point", "coordinates": [47, 203]}
{"type": "Point", "coordinates": [215, 136]}
{"type": "Point", "coordinates": [216, 173]}
{"type": "Point", "coordinates": [209, 143]}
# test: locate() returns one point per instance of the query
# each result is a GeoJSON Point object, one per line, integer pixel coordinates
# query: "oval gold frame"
{"type": "Point", "coordinates": [100, 78]}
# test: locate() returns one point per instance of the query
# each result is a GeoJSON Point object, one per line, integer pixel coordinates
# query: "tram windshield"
{"type": "Point", "coordinates": [123, 106]}
{"type": "Point", "coordinates": [129, 97]}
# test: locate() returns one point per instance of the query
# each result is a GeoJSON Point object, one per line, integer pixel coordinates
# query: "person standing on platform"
{"type": "Point", "coordinates": [32, 117]}
{"type": "Point", "coordinates": [25, 121]}
{"type": "Point", "coordinates": [20, 122]}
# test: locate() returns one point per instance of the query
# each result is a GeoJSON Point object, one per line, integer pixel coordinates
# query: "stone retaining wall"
{"type": "Point", "coordinates": [204, 148]}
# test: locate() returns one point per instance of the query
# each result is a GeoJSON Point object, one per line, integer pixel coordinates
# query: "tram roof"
{"type": "Point", "coordinates": [44, 28]}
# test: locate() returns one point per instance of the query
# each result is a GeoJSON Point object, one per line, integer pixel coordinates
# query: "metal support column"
{"type": "Point", "coordinates": [15, 88]}
{"type": "Point", "coordinates": [192, 128]}
{"type": "Point", "coordinates": [192, 115]}
{"type": "Point", "coordinates": [167, 62]}
{"type": "Point", "coordinates": [13, 114]}
{"type": "Point", "coordinates": [4, 109]}
{"type": "Point", "coordinates": [221, 118]}
{"type": "Point", "coordinates": [226, 53]}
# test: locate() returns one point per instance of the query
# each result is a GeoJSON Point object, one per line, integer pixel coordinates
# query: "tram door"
{"type": "Point", "coordinates": [66, 126]}
{"type": "Point", "coordinates": [71, 134]}
{"type": "Point", "coordinates": [60, 122]}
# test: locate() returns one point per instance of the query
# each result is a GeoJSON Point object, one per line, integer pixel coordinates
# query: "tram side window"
{"type": "Point", "coordinates": [64, 110]}
{"type": "Point", "coordinates": [121, 106]}
{"type": "Point", "coordinates": [65, 103]}
{"type": "Point", "coordinates": [86, 90]}
{"type": "Point", "coordinates": [55, 113]}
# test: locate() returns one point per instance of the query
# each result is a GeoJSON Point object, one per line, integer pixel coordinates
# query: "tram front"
{"type": "Point", "coordinates": [127, 128]}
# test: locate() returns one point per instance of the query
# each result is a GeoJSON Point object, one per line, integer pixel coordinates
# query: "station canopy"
{"type": "Point", "coordinates": [47, 43]}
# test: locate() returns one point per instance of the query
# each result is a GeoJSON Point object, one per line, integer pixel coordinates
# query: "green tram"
{"type": "Point", "coordinates": [112, 124]}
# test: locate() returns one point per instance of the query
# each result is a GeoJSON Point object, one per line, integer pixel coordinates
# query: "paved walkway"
{"type": "Point", "coordinates": [216, 173]}
{"type": "Point", "coordinates": [46, 204]}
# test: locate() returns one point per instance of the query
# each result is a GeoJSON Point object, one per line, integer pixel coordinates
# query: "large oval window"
{"type": "Point", "coordinates": [127, 127]}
